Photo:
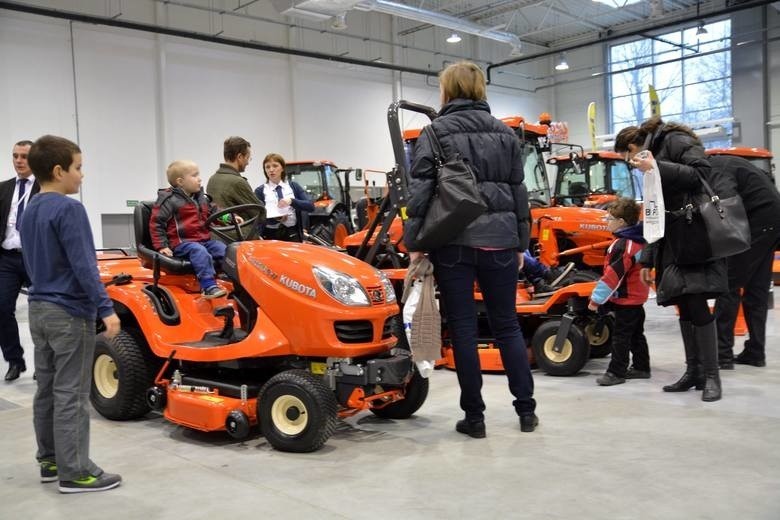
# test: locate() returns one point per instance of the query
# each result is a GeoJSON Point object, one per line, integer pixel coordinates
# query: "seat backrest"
{"type": "Point", "coordinates": [578, 189]}
{"type": "Point", "coordinates": [145, 249]}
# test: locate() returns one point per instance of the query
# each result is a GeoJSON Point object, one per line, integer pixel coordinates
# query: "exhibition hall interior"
{"type": "Point", "coordinates": [390, 258]}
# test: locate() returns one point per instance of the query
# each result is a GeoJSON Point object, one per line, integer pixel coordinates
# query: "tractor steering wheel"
{"type": "Point", "coordinates": [247, 230]}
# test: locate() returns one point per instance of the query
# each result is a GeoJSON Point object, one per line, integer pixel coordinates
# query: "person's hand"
{"type": "Point", "coordinates": [647, 275]}
{"type": "Point", "coordinates": [415, 256]}
{"type": "Point", "coordinates": [112, 324]}
{"type": "Point", "coordinates": [592, 306]}
{"type": "Point", "coordinates": [283, 203]}
{"type": "Point", "coordinates": [166, 251]}
{"type": "Point", "coordinates": [520, 260]}
{"type": "Point", "coordinates": [643, 161]}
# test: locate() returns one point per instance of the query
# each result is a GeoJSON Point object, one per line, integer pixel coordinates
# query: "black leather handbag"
{"type": "Point", "coordinates": [708, 228]}
{"type": "Point", "coordinates": [456, 200]}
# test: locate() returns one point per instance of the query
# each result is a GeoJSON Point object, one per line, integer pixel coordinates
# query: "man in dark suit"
{"type": "Point", "coordinates": [15, 194]}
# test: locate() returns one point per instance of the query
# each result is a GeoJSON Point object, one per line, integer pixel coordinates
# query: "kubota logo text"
{"type": "Point", "coordinates": [297, 286]}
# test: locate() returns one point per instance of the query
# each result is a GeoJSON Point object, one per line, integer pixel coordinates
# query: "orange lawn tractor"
{"type": "Point", "coordinates": [561, 333]}
{"type": "Point", "coordinates": [304, 337]}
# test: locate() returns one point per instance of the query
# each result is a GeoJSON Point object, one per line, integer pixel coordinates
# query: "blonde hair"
{"type": "Point", "coordinates": [463, 80]}
{"type": "Point", "coordinates": [178, 169]}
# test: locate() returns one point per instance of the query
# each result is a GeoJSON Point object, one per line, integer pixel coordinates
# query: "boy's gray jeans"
{"type": "Point", "coordinates": [64, 347]}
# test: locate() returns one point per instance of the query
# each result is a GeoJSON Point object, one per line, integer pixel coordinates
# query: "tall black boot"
{"type": "Point", "coordinates": [692, 376]}
{"type": "Point", "coordinates": [707, 341]}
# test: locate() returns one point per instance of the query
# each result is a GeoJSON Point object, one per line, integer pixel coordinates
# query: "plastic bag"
{"type": "Point", "coordinates": [654, 218]}
{"type": "Point", "coordinates": [425, 366]}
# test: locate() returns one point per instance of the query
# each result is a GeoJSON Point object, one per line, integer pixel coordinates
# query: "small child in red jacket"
{"type": "Point", "coordinates": [178, 225]}
{"type": "Point", "coordinates": [621, 289]}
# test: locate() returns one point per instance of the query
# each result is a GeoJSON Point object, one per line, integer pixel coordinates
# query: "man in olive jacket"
{"type": "Point", "coordinates": [227, 187]}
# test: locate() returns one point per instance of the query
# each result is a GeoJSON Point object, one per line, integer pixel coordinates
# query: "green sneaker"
{"type": "Point", "coordinates": [48, 471]}
{"type": "Point", "coordinates": [91, 483]}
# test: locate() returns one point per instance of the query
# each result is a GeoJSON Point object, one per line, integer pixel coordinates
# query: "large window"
{"type": "Point", "coordinates": [691, 74]}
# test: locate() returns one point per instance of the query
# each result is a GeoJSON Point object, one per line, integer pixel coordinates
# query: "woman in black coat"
{"type": "Point", "coordinates": [488, 251]}
{"type": "Point", "coordinates": [681, 158]}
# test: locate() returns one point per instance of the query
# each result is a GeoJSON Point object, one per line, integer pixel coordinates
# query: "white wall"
{"type": "Point", "coordinates": [135, 101]}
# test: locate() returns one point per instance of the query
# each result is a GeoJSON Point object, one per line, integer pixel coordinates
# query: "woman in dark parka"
{"type": "Point", "coordinates": [680, 155]}
{"type": "Point", "coordinates": [490, 249]}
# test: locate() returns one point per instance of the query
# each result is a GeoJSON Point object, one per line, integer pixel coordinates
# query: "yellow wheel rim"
{"type": "Point", "coordinates": [104, 373]}
{"type": "Point", "coordinates": [288, 414]}
{"type": "Point", "coordinates": [593, 340]}
{"type": "Point", "coordinates": [557, 357]}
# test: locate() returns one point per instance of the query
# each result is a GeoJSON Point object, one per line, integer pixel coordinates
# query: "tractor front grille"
{"type": "Point", "coordinates": [357, 331]}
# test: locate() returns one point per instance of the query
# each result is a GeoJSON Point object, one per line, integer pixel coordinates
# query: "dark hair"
{"type": "Point", "coordinates": [50, 151]}
{"type": "Point", "coordinates": [235, 145]}
{"type": "Point", "coordinates": [275, 157]}
{"type": "Point", "coordinates": [638, 134]}
{"type": "Point", "coordinates": [25, 142]}
{"type": "Point", "coordinates": [625, 208]}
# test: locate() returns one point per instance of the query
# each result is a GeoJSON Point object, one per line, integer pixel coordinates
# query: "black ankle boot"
{"type": "Point", "coordinates": [712, 390]}
{"type": "Point", "coordinates": [691, 378]}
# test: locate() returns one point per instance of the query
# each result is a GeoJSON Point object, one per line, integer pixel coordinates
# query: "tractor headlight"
{"type": "Point", "coordinates": [342, 287]}
{"type": "Point", "coordinates": [388, 287]}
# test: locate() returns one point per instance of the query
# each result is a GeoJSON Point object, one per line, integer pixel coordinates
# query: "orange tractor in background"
{"type": "Point", "coordinates": [592, 179]}
{"type": "Point", "coordinates": [561, 333]}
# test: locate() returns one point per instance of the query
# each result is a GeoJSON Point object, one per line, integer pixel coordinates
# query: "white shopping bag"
{"type": "Point", "coordinates": [654, 219]}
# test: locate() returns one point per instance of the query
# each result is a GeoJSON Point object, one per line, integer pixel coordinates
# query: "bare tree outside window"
{"type": "Point", "coordinates": [692, 75]}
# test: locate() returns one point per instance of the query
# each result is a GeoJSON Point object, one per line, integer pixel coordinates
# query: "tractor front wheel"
{"type": "Point", "coordinates": [297, 411]}
{"type": "Point", "coordinates": [572, 356]}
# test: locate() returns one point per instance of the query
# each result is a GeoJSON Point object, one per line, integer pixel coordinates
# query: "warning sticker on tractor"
{"type": "Point", "coordinates": [318, 368]}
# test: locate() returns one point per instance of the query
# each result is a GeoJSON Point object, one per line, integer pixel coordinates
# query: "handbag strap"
{"type": "Point", "coordinates": [713, 196]}
{"type": "Point", "coordinates": [438, 151]}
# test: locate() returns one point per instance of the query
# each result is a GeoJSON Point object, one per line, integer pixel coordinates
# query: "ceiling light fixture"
{"type": "Point", "coordinates": [562, 63]}
{"type": "Point", "coordinates": [701, 30]}
{"type": "Point", "coordinates": [516, 51]}
{"type": "Point", "coordinates": [454, 38]}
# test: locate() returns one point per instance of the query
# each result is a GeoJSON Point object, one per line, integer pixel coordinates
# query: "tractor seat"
{"type": "Point", "coordinates": [578, 189]}
{"type": "Point", "coordinates": [144, 248]}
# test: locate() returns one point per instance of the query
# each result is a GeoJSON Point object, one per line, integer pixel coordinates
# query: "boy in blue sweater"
{"type": "Point", "coordinates": [66, 298]}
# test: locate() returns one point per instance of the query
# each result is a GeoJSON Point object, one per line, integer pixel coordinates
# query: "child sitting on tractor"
{"type": "Point", "coordinates": [621, 289]}
{"type": "Point", "coordinates": [545, 280]}
{"type": "Point", "coordinates": [177, 225]}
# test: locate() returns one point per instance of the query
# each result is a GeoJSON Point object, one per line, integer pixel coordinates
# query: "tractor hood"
{"type": "Point", "coordinates": [575, 219]}
{"type": "Point", "coordinates": [303, 275]}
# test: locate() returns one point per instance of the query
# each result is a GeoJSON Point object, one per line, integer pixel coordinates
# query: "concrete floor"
{"type": "Point", "coordinates": [623, 452]}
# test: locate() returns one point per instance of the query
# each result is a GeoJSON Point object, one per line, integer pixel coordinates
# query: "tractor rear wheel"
{"type": "Point", "coordinates": [122, 371]}
{"type": "Point", "coordinates": [297, 412]}
{"type": "Point", "coordinates": [573, 354]}
{"type": "Point", "coordinates": [416, 393]}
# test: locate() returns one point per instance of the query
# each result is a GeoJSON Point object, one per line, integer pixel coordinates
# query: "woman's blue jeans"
{"type": "Point", "coordinates": [456, 270]}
